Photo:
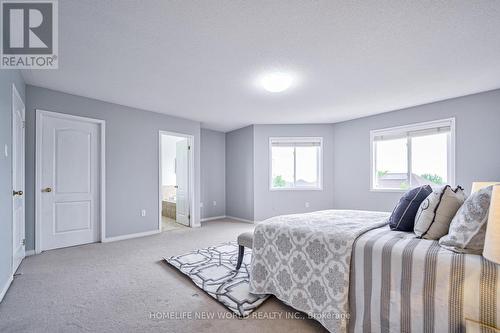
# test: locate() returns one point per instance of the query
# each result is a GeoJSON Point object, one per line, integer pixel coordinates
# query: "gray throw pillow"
{"type": "Point", "coordinates": [468, 227]}
{"type": "Point", "coordinates": [437, 210]}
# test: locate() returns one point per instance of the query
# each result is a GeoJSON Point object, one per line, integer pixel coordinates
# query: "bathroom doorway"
{"type": "Point", "coordinates": [175, 180]}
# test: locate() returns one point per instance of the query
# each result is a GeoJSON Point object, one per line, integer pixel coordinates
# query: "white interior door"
{"type": "Point", "coordinates": [70, 176]}
{"type": "Point", "coordinates": [182, 181]}
{"type": "Point", "coordinates": [18, 179]}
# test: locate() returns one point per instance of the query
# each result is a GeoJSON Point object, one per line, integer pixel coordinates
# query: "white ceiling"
{"type": "Point", "coordinates": [199, 59]}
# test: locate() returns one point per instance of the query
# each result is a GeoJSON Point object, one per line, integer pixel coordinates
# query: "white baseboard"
{"type": "Point", "coordinates": [213, 218]}
{"type": "Point", "coordinates": [29, 253]}
{"type": "Point", "coordinates": [240, 219]}
{"type": "Point", "coordinates": [130, 236]}
{"type": "Point", "coordinates": [6, 287]}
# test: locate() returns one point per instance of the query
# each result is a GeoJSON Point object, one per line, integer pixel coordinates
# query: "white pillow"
{"type": "Point", "coordinates": [437, 210]}
{"type": "Point", "coordinates": [468, 227]}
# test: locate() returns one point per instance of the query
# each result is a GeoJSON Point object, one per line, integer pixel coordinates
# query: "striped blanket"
{"type": "Point", "coordinates": [399, 283]}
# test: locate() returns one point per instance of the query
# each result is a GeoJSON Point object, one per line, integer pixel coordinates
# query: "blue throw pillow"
{"type": "Point", "coordinates": [403, 216]}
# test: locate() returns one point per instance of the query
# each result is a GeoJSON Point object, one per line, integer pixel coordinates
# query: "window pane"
{"type": "Point", "coordinates": [307, 167]}
{"type": "Point", "coordinates": [391, 169]}
{"type": "Point", "coordinates": [430, 159]}
{"type": "Point", "coordinates": [282, 167]}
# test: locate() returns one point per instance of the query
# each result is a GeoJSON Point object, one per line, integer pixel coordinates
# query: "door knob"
{"type": "Point", "coordinates": [17, 193]}
{"type": "Point", "coordinates": [176, 186]}
{"type": "Point", "coordinates": [47, 189]}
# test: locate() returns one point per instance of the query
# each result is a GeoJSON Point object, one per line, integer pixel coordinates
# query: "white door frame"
{"type": "Point", "coordinates": [190, 174]}
{"type": "Point", "coordinates": [40, 114]}
{"type": "Point", "coordinates": [15, 95]}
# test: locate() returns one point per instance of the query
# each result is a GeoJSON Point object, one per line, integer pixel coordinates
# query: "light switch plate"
{"type": "Point", "coordinates": [143, 212]}
{"type": "Point", "coordinates": [6, 150]}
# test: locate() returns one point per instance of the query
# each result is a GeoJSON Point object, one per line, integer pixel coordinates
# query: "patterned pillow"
{"type": "Point", "coordinates": [403, 216]}
{"type": "Point", "coordinates": [468, 227]}
{"type": "Point", "coordinates": [437, 210]}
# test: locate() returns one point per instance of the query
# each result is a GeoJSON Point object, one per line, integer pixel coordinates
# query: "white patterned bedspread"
{"type": "Point", "coordinates": [304, 260]}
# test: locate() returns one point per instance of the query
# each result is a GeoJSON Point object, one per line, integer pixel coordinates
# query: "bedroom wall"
{"type": "Point", "coordinates": [240, 173]}
{"type": "Point", "coordinates": [7, 79]}
{"type": "Point", "coordinates": [132, 174]}
{"type": "Point", "coordinates": [213, 173]}
{"type": "Point", "coordinates": [271, 203]}
{"type": "Point", "coordinates": [477, 138]}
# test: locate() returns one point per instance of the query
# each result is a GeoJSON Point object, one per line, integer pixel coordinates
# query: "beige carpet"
{"type": "Point", "coordinates": [114, 287]}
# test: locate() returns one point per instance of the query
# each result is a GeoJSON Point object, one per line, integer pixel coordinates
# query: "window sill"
{"type": "Point", "coordinates": [388, 190]}
{"type": "Point", "coordinates": [296, 189]}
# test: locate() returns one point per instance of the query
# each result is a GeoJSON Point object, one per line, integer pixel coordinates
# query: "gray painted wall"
{"type": "Point", "coordinates": [247, 173]}
{"type": "Point", "coordinates": [7, 78]}
{"type": "Point", "coordinates": [477, 154]}
{"type": "Point", "coordinates": [244, 155]}
{"type": "Point", "coordinates": [271, 203]}
{"type": "Point", "coordinates": [132, 174]}
{"type": "Point", "coordinates": [240, 173]}
{"type": "Point", "coordinates": [213, 173]}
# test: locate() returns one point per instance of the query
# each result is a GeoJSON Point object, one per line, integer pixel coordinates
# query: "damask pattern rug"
{"type": "Point", "coordinates": [213, 270]}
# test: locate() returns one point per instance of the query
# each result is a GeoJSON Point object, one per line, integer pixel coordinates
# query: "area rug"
{"type": "Point", "coordinates": [213, 270]}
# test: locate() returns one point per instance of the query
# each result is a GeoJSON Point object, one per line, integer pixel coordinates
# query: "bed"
{"type": "Point", "coordinates": [347, 270]}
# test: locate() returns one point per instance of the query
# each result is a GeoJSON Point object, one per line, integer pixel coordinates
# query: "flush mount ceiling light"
{"type": "Point", "coordinates": [276, 82]}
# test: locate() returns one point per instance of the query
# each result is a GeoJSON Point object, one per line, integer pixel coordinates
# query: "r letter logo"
{"type": "Point", "coordinates": [29, 34]}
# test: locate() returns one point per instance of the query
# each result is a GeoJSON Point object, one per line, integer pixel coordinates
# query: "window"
{"type": "Point", "coordinates": [409, 156]}
{"type": "Point", "coordinates": [295, 163]}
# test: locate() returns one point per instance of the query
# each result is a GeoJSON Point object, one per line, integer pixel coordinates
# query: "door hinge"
{"type": "Point", "coordinates": [189, 217]}
{"type": "Point", "coordinates": [24, 241]}
{"type": "Point", "coordinates": [24, 124]}
{"type": "Point", "coordinates": [189, 147]}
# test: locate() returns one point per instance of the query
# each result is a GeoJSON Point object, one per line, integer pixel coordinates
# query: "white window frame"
{"type": "Point", "coordinates": [410, 128]}
{"type": "Point", "coordinates": [320, 163]}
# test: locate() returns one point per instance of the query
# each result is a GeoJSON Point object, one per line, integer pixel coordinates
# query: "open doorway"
{"type": "Point", "coordinates": [175, 180]}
